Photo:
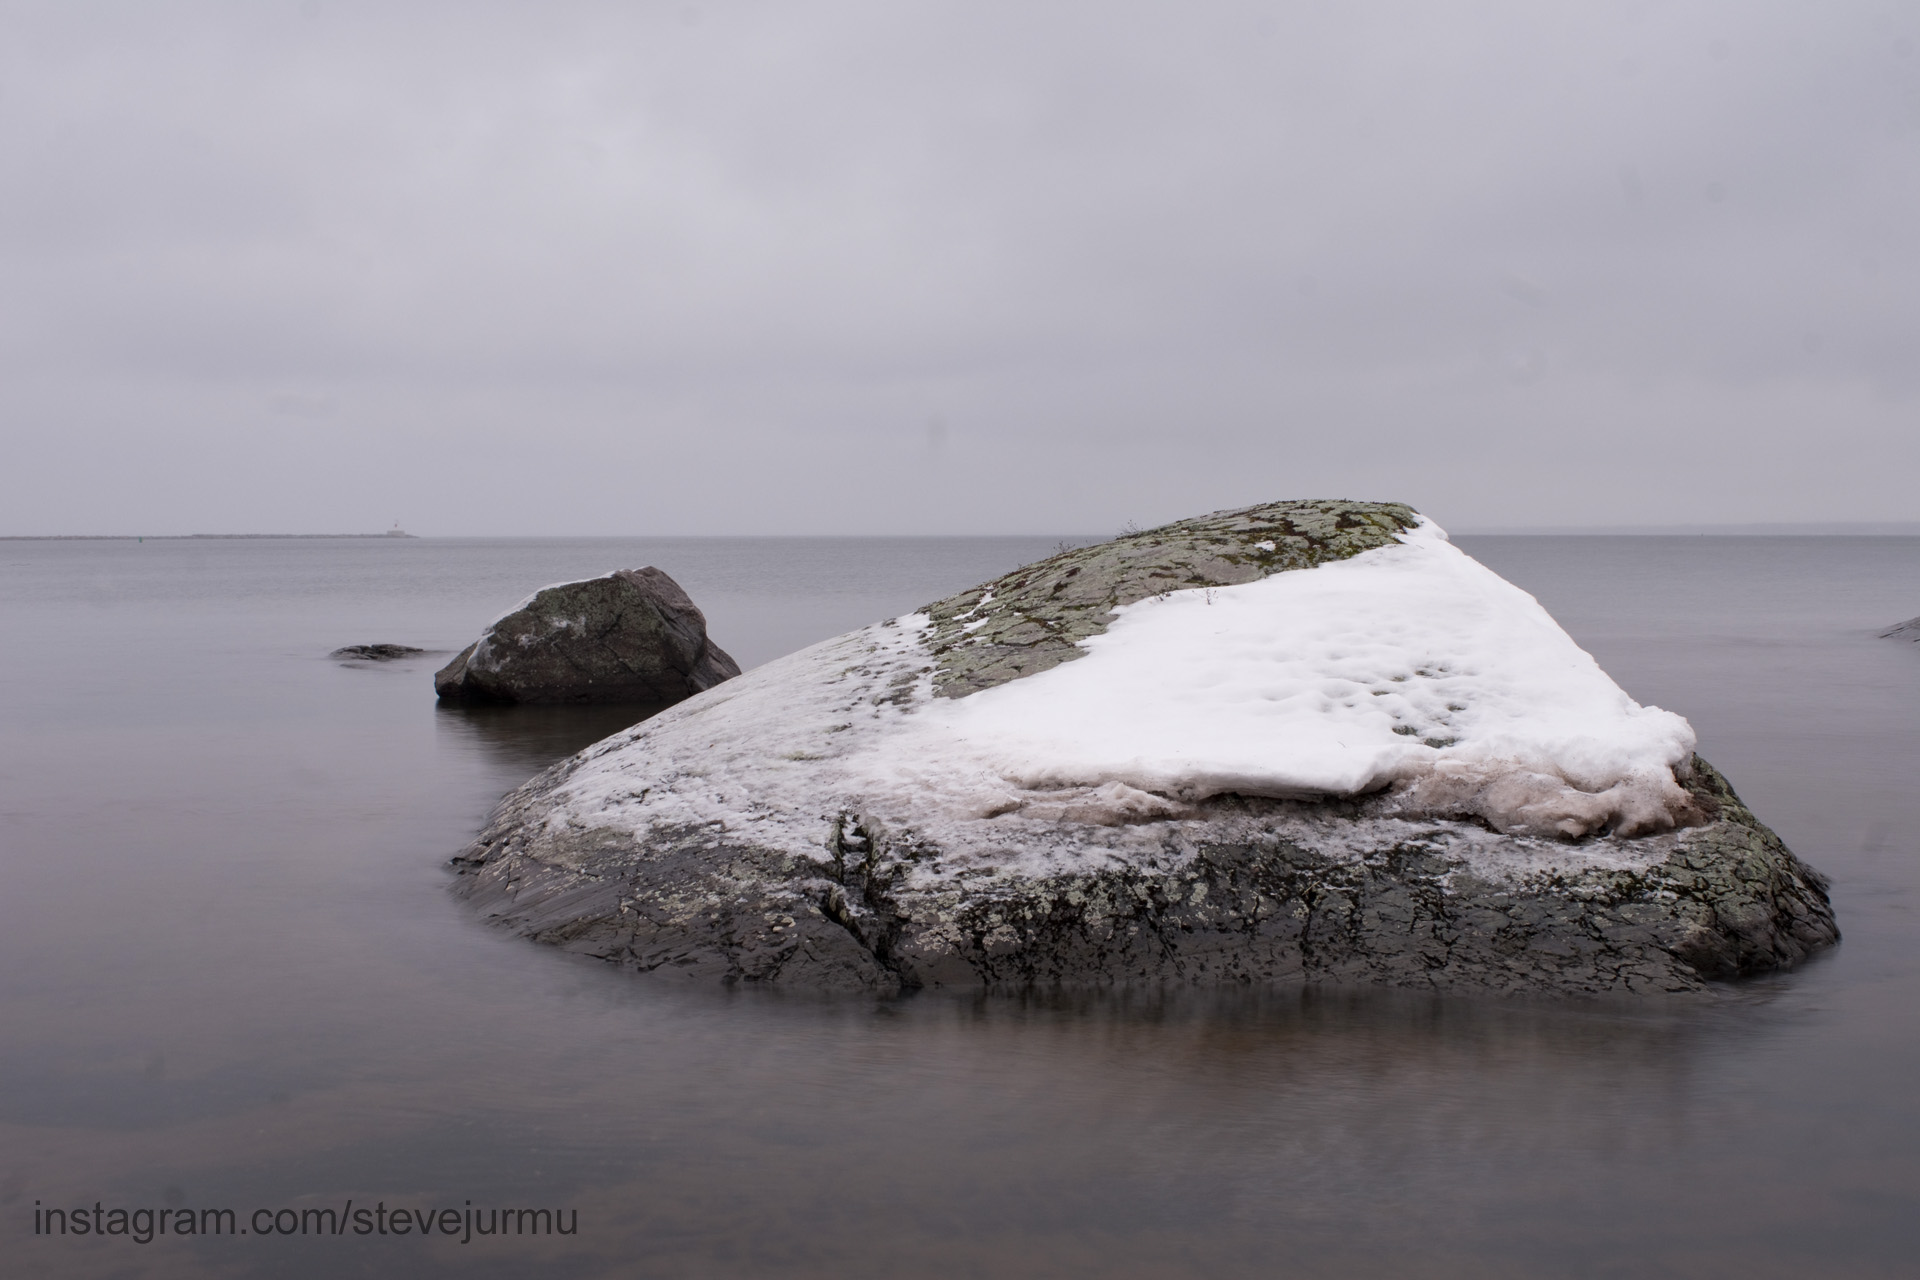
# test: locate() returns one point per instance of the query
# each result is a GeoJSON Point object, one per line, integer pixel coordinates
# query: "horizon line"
{"type": "Point", "coordinates": [1778, 528]}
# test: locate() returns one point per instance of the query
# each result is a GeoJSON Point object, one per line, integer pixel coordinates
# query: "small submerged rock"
{"type": "Point", "coordinates": [375, 652]}
{"type": "Point", "coordinates": [1302, 742]}
{"type": "Point", "coordinates": [632, 636]}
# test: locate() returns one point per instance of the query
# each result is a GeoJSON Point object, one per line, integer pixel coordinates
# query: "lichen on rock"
{"type": "Point", "coordinates": [1035, 617]}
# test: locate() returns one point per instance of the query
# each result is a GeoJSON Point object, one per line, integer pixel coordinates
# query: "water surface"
{"type": "Point", "coordinates": [231, 974]}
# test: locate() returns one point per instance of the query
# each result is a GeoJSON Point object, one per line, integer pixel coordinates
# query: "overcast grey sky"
{"type": "Point", "coordinates": [930, 267]}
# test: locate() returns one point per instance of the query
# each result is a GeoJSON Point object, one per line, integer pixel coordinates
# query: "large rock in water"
{"type": "Point", "coordinates": [1302, 742]}
{"type": "Point", "coordinates": [632, 636]}
{"type": "Point", "coordinates": [1908, 630]}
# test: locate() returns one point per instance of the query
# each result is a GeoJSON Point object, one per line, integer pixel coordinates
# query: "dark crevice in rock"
{"type": "Point", "coordinates": [860, 863]}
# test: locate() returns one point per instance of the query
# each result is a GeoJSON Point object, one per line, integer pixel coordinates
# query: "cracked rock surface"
{"type": "Point", "coordinates": [632, 636]}
{"type": "Point", "coordinates": [675, 849]}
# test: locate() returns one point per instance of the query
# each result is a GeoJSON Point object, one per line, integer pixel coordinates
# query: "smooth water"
{"type": "Point", "coordinates": [232, 976]}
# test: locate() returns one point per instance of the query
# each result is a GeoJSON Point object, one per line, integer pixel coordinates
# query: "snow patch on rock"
{"type": "Point", "coordinates": [1410, 664]}
{"type": "Point", "coordinates": [1409, 671]}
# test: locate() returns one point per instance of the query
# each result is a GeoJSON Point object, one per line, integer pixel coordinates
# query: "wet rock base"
{"type": "Point", "coordinates": [1255, 892]}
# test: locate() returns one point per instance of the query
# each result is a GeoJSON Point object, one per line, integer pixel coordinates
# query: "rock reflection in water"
{"type": "Point", "coordinates": [531, 737]}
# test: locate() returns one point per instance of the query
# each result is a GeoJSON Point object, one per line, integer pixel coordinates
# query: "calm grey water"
{"type": "Point", "coordinates": [231, 975]}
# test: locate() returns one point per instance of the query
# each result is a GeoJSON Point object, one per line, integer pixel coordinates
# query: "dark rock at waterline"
{"type": "Point", "coordinates": [375, 652]}
{"type": "Point", "coordinates": [633, 636]}
{"type": "Point", "coordinates": [1263, 892]}
{"type": "Point", "coordinates": [1908, 630]}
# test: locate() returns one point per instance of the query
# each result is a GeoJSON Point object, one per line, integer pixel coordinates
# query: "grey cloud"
{"type": "Point", "coordinates": [944, 267]}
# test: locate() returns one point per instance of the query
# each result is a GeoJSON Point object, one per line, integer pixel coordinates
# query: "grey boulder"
{"type": "Point", "coordinates": [632, 636]}
{"type": "Point", "coordinates": [1908, 630]}
{"type": "Point", "coordinates": [725, 841]}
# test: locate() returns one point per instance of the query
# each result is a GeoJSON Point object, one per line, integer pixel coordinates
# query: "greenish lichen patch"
{"type": "Point", "coordinates": [1035, 617]}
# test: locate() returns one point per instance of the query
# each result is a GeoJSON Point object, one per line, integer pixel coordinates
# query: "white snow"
{"type": "Point", "coordinates": [1292, 686]}
{"type": "Point", "coordinates": [1410, 664]}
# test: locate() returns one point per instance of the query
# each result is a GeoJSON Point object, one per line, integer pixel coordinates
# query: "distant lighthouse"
{"type": "Point", "coordinates": [397, 531]}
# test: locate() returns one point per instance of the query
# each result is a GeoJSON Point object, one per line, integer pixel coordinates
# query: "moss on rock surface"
{"type": "Point", "coordinates": [1035, 617]}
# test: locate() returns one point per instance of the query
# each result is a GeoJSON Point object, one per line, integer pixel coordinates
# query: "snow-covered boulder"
{"type": "Point", "coordinates": [632, 636]}
{"type": "Point", "coordinates": [1307, 741]}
